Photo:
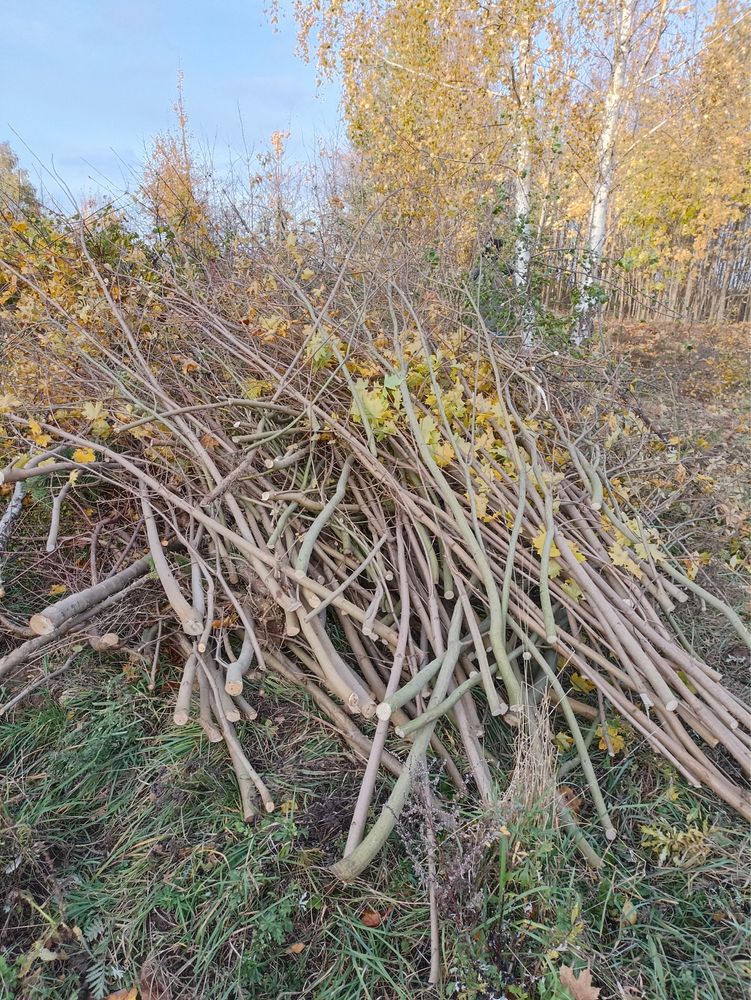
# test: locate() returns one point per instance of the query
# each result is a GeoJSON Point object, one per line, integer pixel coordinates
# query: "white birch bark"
{"type": "Point", "coordinates": [605, 158]}
{"type": "Point", "coordinates": [522, 197]}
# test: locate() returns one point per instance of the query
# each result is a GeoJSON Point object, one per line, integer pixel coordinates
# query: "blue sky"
{"type": "Point", "coordinates": [84, 84]}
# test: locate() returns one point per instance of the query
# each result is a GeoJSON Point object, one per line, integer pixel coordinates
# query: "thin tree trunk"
{"type": "Point", "coordinates": [522, 197]}
{"type": "Point", "coordinates": [586, 306]}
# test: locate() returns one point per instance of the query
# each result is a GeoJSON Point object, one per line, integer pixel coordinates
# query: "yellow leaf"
{"type": "Point", "coordinates": [256, 387]}
{"type": "Point", "coordinates": [628, 913]}
{"type": "Point", "coordinates": [539, 542]}
{"type": "Point", "coordinates": [92, 411]}
{"type": "Point", "coordinates": [443, 453]}
{"type": "Point", "coordinates": [57, 589]}
{"type": "Point", "coordinates": [564, 741]}
{"type": "Point", "coordinates": [577, 554]}
{"type": "Point", "coordinates": [84, 455]}
{"type": "Point", "coordinates": [572, 588]}
{"type": "Point", "coordinates": [8, 401]}
{"type": "Point", "coordinates": [37, 436]}
{"type": "Point", "coordinates": [616, 739]}
{"type": "Point", "coordinates": [581, 684]}
{"type": "Point", "coordinates": [620, 557]}
{"type": "Point", "coordinates": [307, 274]}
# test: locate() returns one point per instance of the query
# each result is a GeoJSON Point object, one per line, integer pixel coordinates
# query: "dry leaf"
{"type": "Point", "coordinates": [372, 918]}
{"type": "Point", "coordinates": [579, 987]}
{"type": "Point", "coordinates": [210, 441]}
{"type": "Point", "coordinates": [295, 949]}
{"type": "Point", "coordinates": [628, 913]}
{"type": "Point", "coordinates": [131, 994]}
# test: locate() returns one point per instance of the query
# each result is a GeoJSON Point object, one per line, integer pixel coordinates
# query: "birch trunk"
{"type": "Point", "coordinates": [586, 307]}
{"type": "Point", "coordinates": [522, 196]}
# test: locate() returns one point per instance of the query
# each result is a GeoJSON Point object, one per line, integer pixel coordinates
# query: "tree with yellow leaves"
{"type": "Point", "coordinates": [171, 187]}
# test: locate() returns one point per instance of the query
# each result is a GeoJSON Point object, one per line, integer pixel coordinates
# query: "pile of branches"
{"type": "Point", "coordinates": [350, 488]}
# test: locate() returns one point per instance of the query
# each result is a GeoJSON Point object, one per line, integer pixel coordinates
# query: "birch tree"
{"type": "Point", "coordinates": [636, 36]}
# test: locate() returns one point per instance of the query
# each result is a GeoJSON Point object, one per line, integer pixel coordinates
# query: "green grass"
{"type": "Point", "coordinates": [123, 848]}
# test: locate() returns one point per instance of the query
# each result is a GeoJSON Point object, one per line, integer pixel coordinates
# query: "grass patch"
{"type": "Point", "coordinates": [125, 861]}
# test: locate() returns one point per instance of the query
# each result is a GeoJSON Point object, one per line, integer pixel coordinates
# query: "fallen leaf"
{"type": "Point", "coordinates": [564, 741]}
{"type": "Point", "coordinates": [617, 741]}
{"type": "Point", "coordinates": [84, 455]}
{"type": "Point", "coordinates": [295, 949]}
{"type": "Point", "coordinates": [582, 684]}
{"type": "Point", "coordinates": [579, 987]}
{"type": "Point", "coordinates": [209, 441]}
{"type": "Point", "coordinates": [46, 955]}
{"type": "Point", "coordinates": [131, 994]}
{"type": "Point", "coordinates": [570, 798]}
{"type": "Point", "coordinates": [371, 918]}
{"type": "Point", "coordinates": [539, 543]}
{"type": "Point", "coordinates": [56, 589]}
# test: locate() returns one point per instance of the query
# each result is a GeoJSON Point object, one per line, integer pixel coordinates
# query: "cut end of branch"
{"type": "Point", "coordinates": [501, 708]}
{"type": "Point", "coordinates": [383, 711]}
{"type": "Point", "coordinates": [40, 624]}
{"type": "Point", "coordinates": [103, 643]}
{"type": "Point", "coordinates": [212, 733]}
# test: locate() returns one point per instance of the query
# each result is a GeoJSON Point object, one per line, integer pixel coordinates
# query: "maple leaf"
{"type": "Point", "coordinates": [616, 738]}
{"type": "Point", "coordinates": [93, 410]}
{"type": "Point", "coordinates": [443, 453]}
{"type": "Point", "coordinates": [37, 436]}
{"type": "Point", "coordinates": [572, 588]}
{"type": "Point", "coordinates": [538, 543]}
{"type": "Point", "coordinates": [578, 987]}
{"type": "Point", "coordinates": [84, 455]}
{"type": "Point", "coordinates": [554, 569]}
{"type": "Point", "coordinates": [620, 557]}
